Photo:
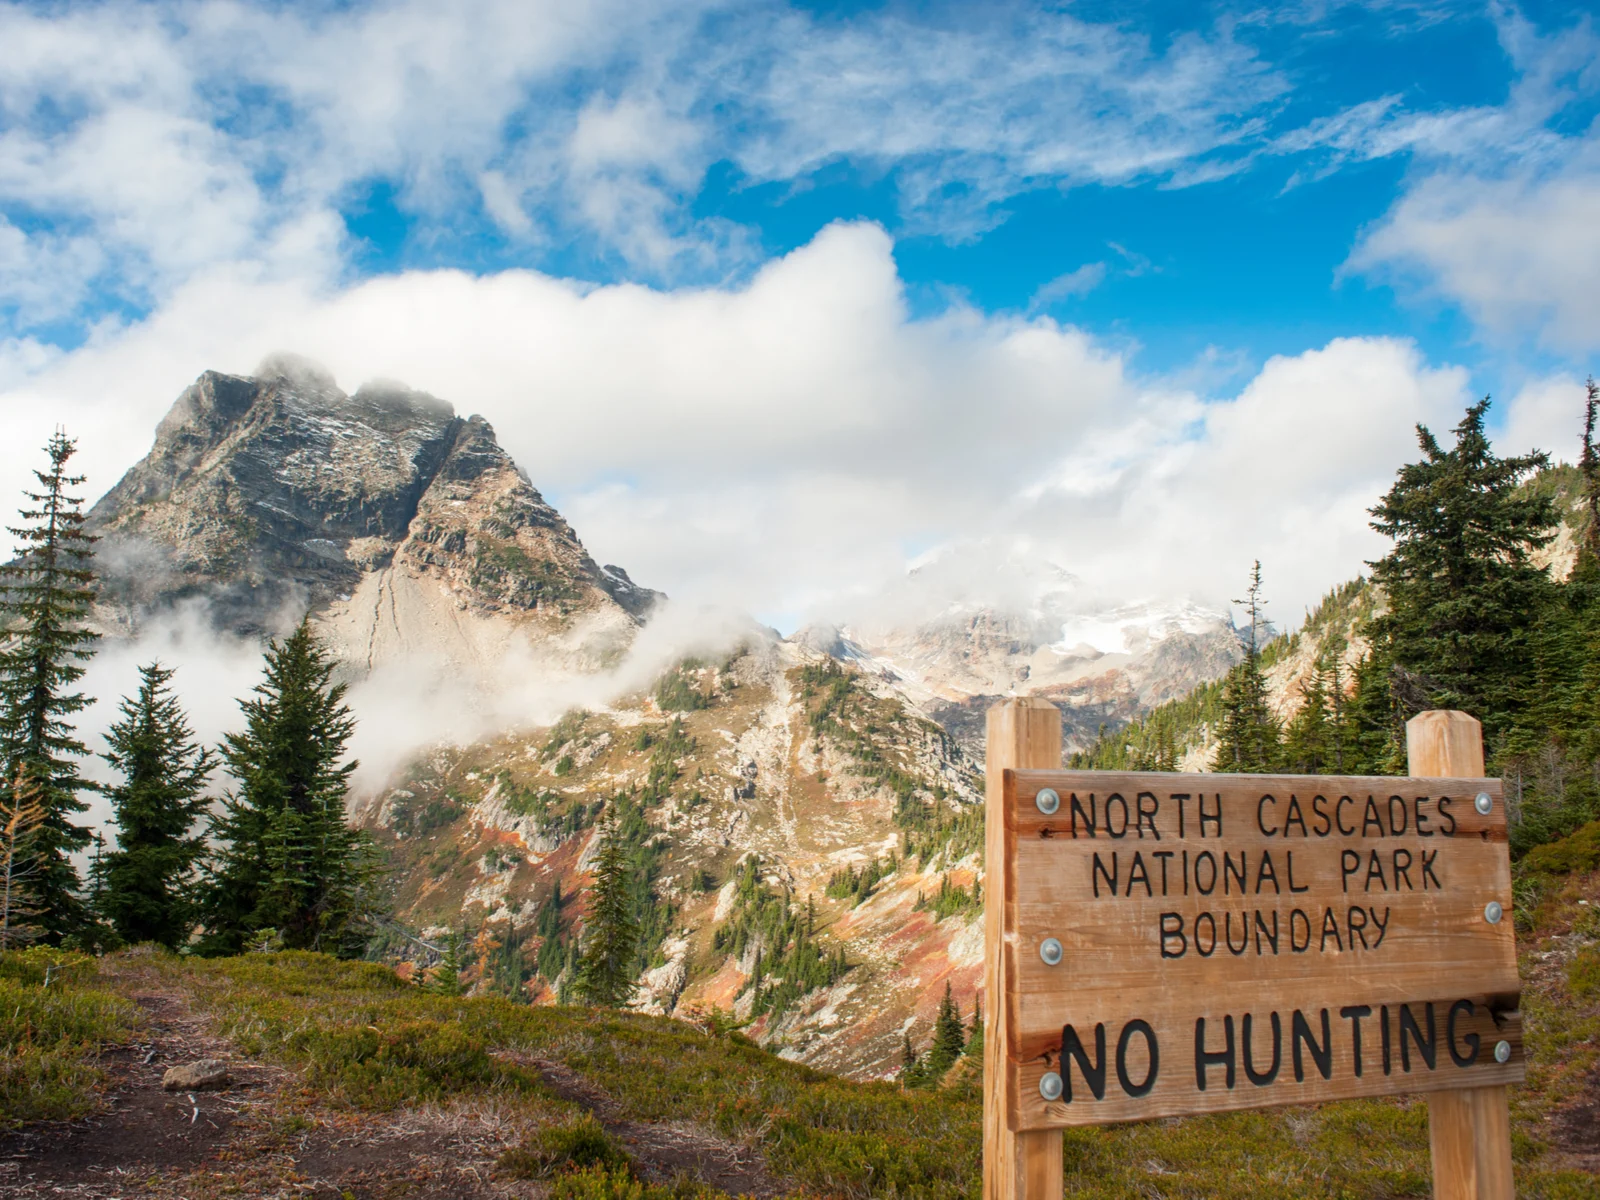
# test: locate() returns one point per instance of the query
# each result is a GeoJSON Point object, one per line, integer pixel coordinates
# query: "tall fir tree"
{"type": "Point", "coordinates": [286, 859]}
{"type": "Point", "coordinates": [1251, 739]}
{"type": "Point", "coordinates": [147, 881]}
{"type": "Point", "coordinates": [605, 972]}
{"type": "Point", "coordinates": [949, 1038]}
{"type": "Point", "coordinates": [1463, 592]}
{"type": "Point", "coordinates": [45, 597]}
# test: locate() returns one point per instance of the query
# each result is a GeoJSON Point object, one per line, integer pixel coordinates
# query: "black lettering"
{"type": "Point", "coordinates": [1354, 1012]}
{"type": "Point", "coordinates": [1446, 815]}
{"type": "Point", "coordinates": [1295, 943]}
{"type": "Point", "coordinates": [1094, 1074]}
{"type": "Point", "coordinates": [1330, 924]}
{"type": "Point", "coordinates": [1098, 869]}
{"type": "Point", "coordinates": [1374, 867]}
{"type": "Point", "coordinates": [1471, 1041]}
{"type": "Point", "coordinates": [1356, 929]}
{"type": "Point", "coordinates": [1267, 873]}
{"type": "Point", "coordinates": [1382, 926]}
{"type": "Point", "coordinates": [1137, 874]}
{"type": "Point", "coordinates": [1180, 797]}
{"type": "Point", "coordinates": [1172, 929]}
{"type": "Point", "coordinates": [1214, 817]}
{"type": "Point", "coordinates": [1204, 1058]}
{"type": "Point", "coordinates": [1372, 817]}
{"type": "Point", "coordinates": [1401, 868]}
{"type": "Point", "coordinates": [1232, 873]}
{"type": "Point", "coordinates": [1262, 1078]}
{"type": "Point", "coordinates": [1304, 887]}
{"type": "Point", "coordinates": [1089, 818]}
{"type": "Point", "coordinates": [1148, 814]}
{"type": "Point", "coordinates": [1116, 798]}
{"type": "Point", "coordinates": [1427, 870]}
{"type": "Point", "coordinates": [1154, 1054]}
{"type": "Point", "coordinates": [1300, 1035]}
{"type": "Point", "coordinates": [1163, 855]}
{"type": "Point", "coordinates": [1261, 931]}
{"type": "Point", "coordinates": [1398, 828]}
{"type": "Point", "coordinates": [1408, 1024]}
{"type": "Point", "coordinates": [1383, 1025]}
{"type": "Point", "coordinates": [1420, 818]}
{"type": "Point", "coordinates": [1244, 932]}
{"type": "Point", "coordinates": [1260, 815]}
{"type": "Point", "coordinates": [1210, 948]}
{"type": "Point", "coordinates": [1295, 817]}
{"type": "Point", "coordinates": [1349, 864]}
{"type": "Point", "coordinates": [1319, 810]}
{"type": "Point", "coordinates": [1338, 816]}
{"type": "Point", "coordinates": [1210, 860]}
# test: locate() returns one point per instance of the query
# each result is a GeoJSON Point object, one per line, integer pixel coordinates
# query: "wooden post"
{"type": "Point", "coordinates": [1469, 1130]}
{"type": "Point", "coordinates": [1023, 734]}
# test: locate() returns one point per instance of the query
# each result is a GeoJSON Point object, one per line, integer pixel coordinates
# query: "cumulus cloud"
{"type": "Point", "coordinates": [144, 144]}
{"type": "Point", "coordinates": [782, 445]}
{"type": "Point", "coordinates": [1499, 216]}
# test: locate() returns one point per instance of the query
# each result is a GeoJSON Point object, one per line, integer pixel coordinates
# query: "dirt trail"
{"type": "Point", "coordinates": [265, 1135]}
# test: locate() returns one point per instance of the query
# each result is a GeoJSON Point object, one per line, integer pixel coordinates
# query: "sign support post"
{"type": "Point", "coordinates": [1022, 733]}
{"type": "Point", "coordinates": [1469, 1130]}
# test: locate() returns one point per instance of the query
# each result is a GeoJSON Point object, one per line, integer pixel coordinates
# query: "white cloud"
{"type": "Point", "coordinates": [179, 136]}
{"type": "Point", "coordinates": [1518, 254]}
{"type": "Point", "coordinates": [1500, 215]}
{"type": "Point", "coordinates": [1078, 282]}
{"type": "Point", "coordinates": [782, 445]}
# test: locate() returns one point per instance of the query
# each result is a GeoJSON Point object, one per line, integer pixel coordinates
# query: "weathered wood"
{"type": "Point", "coordinates": [1022, 733]}
{"type": "Point", "coordinates": [1362, 904]}
{"type": "Point", "coordinates": [1469, 1130]}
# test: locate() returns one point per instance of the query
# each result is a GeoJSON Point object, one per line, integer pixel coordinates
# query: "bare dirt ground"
{"type": "Point", "coordinates": [266, 1136]}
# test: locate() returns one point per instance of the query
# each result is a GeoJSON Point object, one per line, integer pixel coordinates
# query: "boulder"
{"type": "Point", "coordinates": [197, 1076]}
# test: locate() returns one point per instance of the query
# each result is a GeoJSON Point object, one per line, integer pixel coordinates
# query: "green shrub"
{"type": "Point", "coordinates": [1578, 851]}
{"type": "Point", "coordinates": [34, 964]}
{"type": "Point", "coordinates": [49, 1036]}
{"type": "Point", "coordinates": [580, 1142]}
{"type": "Point", "coordinates": [603, 1183]}
{"type": "Point", "coordinates": [1583, 973]}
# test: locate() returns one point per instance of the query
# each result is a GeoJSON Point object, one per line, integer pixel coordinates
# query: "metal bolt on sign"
{"type": "Point", "coordinates": [1050, 1085]}
{"type": "Point", "coordinates": [1483, 803]}
{"type": "Point", "coordinates": [1502, 1052]}
{"type": "Point", "coordinates": [1492, 912]}
{"type": "Point", "coordinates": [1050, 951]}
{"type": "Point", "coordinates": [1047, 801]}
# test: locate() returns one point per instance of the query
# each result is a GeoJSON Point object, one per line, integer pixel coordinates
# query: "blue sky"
{"type": "Point", "coordinates": [1139, 230]}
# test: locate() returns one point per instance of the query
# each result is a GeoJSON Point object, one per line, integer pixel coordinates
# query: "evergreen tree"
{"type": "Point", "coordinates": [910, 1062]}
{"type": "Point", "coordinates": [1251, 740]}
{"type": "Point", "coordinates": [445, 979]}
{"type": "Point", "coordinates": [1589, 472]}
{"type": "Point", "coordinates": [949, 1038]}
{"type": "Point", "coordinates": [147, 881]}
{"type": "Point", "coordinates": [286, 859]}
{"type": "Point", "coordinates": [605, 972]}
{"type": "Point", "coordinates": [1462, 591]}
{"type": "Point", "coordinates": [975, 1030]}
{"type": "Point", "coordinates": [45, 596]}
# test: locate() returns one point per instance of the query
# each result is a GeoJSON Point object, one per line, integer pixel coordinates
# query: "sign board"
{"type": "Point", "coordinates": [1193, 943]}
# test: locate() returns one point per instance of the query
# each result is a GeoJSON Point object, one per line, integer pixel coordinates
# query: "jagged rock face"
{"type": "Point", "coordinates": [283, 492]}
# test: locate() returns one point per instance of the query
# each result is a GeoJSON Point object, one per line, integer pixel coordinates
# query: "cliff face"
{"type": "Point", "coordinates": [275, 495]}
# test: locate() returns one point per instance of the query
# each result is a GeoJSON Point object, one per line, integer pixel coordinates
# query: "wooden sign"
{"type": "Point", "coordinates": [1193, 943]}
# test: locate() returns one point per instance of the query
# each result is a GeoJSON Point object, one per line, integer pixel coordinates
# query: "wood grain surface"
{"type": "Point", "coordinates": [1332, 908]}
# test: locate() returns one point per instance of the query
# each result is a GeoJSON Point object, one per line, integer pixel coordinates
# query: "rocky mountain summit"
{"type": "Point", "coordinates": [397, 523]}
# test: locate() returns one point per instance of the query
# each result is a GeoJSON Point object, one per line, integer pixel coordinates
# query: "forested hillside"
{"type": "Point", "coordinates": [1488, 601]}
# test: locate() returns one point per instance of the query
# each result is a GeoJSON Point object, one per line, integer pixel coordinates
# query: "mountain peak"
{"type": "Point", "coordinates": [280, 493]}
